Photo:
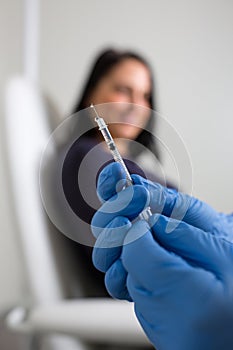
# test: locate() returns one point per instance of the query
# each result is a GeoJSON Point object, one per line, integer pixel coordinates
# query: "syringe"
{"type": "Point", "coordinates": [146, 213]}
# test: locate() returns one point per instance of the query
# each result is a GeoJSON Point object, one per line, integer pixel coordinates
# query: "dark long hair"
{"type": "Point", "coordinates": [103, 64]}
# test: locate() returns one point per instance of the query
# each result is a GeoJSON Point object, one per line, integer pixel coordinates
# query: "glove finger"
{"type": "Point", "coordinates": [109, 242]}
{"type": "Point", "coordinates": [111, 180]}
{"type": "Point", "coordinates": [148, 263]}
{"type": "Point", "coordinates": [178, 205]}
{"type": "Point", "coordinates": [115, 281]}
{"type": "Point", "coordinates": [194, 245]}
{"type": "Point", "coordinates": [129, 202]}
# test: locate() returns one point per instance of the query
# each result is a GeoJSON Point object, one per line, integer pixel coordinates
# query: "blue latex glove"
{"type": "Point", "coordinates": [181, 282]}
{"type": "Point", "coordinates": [166, 201]}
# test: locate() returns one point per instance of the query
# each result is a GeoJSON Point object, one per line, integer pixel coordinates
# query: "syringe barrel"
{"type": "Point", "coordinates": [117, 157]}
{"type": "Point", "coordinates": [146, 213]}
{"type": "Point", "coordinates": [112, 147]}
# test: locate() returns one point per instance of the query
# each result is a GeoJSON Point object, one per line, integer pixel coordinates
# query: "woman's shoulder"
{"type": "Point", "coordinates": [81, 147]}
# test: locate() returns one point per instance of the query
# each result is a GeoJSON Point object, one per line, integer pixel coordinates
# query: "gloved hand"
{"type": "Point", "coordinates": [181, 282]}
{"type": "Point", "coordinates": [168, 202]}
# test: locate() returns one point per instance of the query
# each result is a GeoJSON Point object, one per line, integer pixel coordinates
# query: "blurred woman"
{"type": "Point", "coordinates": [120, 85]}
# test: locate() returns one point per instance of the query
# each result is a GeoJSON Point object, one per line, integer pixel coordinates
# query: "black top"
{"type": "Point", "coordinates": [80, 170]}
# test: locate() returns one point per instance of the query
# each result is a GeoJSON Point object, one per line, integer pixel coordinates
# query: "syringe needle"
{"type": "Point", "coordinates": [93, 107]}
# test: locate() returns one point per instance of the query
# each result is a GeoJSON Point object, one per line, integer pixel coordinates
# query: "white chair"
{"type": "Point", "coordinates": [44, 311]}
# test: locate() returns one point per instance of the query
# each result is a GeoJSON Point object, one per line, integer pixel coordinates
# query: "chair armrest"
{"type": "Point", "coordinates": [93, 320]}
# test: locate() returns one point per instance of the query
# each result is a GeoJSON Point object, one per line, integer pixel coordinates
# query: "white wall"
{"type": "Point", "coordinates": [190, 46]}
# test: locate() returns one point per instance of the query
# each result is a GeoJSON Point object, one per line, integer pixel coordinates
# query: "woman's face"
{"type": "Point", "coordinates": [128, 82]}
